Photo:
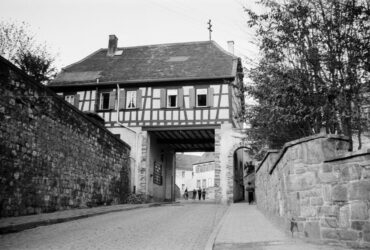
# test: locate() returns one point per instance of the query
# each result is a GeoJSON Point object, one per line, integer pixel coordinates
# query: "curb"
{"type": "Point", "coordinates": [28, 225]}
{"type": "Point", "coordinates": [212, 238]}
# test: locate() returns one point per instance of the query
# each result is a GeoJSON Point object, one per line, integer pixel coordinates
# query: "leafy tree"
{"type": "Point", "coordinates": [20, 47]}
{"type": "Point", "coordinates": [313, 69]}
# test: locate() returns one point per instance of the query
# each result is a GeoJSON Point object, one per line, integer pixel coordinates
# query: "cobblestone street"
{"type": "Point", "coordinates": [179, 226]}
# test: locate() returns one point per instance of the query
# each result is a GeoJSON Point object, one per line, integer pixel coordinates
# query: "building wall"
{"type": "Point", "coordinates": [52, 156]}
{"type": "Point", "coordinates": [165, 157]}
{"type": "Point", "coordinates": [186, 180]}
{"type": "Point", "coordinates": [151, 112]}
{"type": "Point", "coordinates": [323, 187]}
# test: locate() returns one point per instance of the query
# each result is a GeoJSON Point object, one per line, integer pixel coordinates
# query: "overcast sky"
{"type": "Point", "coordinates": [76, 28]}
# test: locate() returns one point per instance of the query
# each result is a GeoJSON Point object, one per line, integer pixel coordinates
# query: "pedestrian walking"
{"type": "Point", "coordinates": [194, 194]}
{"type": "Point", "coordinates": [250, 191]}
{"type": "Point", "coordinates": [199, 193]}
{"type": "Point", "coordinates": [204, 193]}
{"type": "Point", "coordinates": [186, 193]}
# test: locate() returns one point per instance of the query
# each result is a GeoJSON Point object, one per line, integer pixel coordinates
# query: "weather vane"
{"type": "Point", "coordinates": [210, 29]}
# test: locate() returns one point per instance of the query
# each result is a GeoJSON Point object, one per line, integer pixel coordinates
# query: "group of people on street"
{"type": "Point", "coordinates": [201, 194]}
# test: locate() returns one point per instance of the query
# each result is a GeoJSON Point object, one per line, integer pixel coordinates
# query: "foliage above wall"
{"type": "Point", "coordinates": [313, 70]}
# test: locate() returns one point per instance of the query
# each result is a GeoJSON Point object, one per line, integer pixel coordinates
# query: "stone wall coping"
{"type": "Point", "coordinates": [270, 151]}
{"type": "Point", "coordinates": [349, 155]}
{"type": "Point", "coordinates": [59, 99]}
{"type": "Point", "coordinates": [302, 140]}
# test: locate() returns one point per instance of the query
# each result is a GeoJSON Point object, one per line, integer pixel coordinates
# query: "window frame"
{"type": "Point", "coordinates": [101, 93]}
{"type": "Point", "coordinates": [197, 95]}
{"type": "Point", "coordinates": [127, 100]}
{"type": "Point", "coordinates": [168, 96]}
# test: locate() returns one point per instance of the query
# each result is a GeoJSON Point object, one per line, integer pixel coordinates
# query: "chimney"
{"type": "Point", "coordinates": [230, 46]}
{"type": "Point", "coordinates": [112, 45]}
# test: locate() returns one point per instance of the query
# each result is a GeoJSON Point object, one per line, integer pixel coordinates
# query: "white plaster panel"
{"type": "Point", "coordinates": [205, 114]}
{"type": "Point", "coordinates": [143, 91]}
{"type": "Point", "coordinates": [168, 115]}
{"type": "Point", "coordinates": [155, 115]}
{"type": "Point", "coordinates": [121, 115]}
{"type": "Point", "coordinates": [216, 88]}
{"type": "Point", "coordinates": [114, 116]}
{"type": "Point", "coordinates": [139, 113]}
{"type": "Point", "coordinates": [86, 106]}
{"type": "Point", "coordinates": [127, 116]}
{"type": "Point", "coordinates": [156, 103]}
{"type": "Point", "coordinates": [175, 115]}
{"type": "Point", "coordinates": [88, 95]}
{"type": "Point", "coordinates": [92, 105]}
{"type": "Point", "coordinates": [224, 114]}
{"type": "Point", "coordinates": [186, 102]}
{"type": "Point", "coordinates": [147, 105]}
{"type": "Point", "coordinates": [156, 93]}
{"type": "Point", "coordinates": [215, 100]}
{"type": "Point", "coordinates": [81, 93]}
{"type": "Point", "coordinates": [149, 91]}
{"type": "Point", "coordinates": [213, 114]}
{"type": "Point", "coordinates": [224, 101]}
{"type": "Point", "coordinates": [161, 115]}
{"type": "Point", "coordinates": [133, 115]}
{"type": "Point", "coordinates": [225, 88]}
{"type": "Point", "coordinates": [190, 114]}
{"type": "Point", "coordinates": [93, 93]}
{"type": "Point", "coordinates": [197, 115]}
{"type": "Point", "coordinates": [146, 115]}
{"type": "Point", "coordinates": [182, 115]}
{"type": "Point", "coordinates": [186, 89]}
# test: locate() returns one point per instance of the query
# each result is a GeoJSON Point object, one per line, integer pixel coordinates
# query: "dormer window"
{"type": "Point", "coordinates": [104, 100]}
{"type": "Point", "coordinates": [201, 96]}
{"type": "Point", "coordinates": [131, 99]}
{"type": "Point", "coordinates": [172, 98]}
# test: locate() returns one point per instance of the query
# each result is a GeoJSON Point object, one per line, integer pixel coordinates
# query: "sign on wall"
{"type": "Point", "coordinates": [157, 173]}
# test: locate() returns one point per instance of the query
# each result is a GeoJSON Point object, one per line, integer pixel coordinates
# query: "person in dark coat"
{"type": "Point", "coordinates": [186, 194]}
{"type": "Point", "coordinates": [204, 193]}
{"type": "Point", "coordinates": [194, 194]}
{"type": "Point", "coordinates": [250, 190]}
{"type": "Point", "coordinates": [199, 193]}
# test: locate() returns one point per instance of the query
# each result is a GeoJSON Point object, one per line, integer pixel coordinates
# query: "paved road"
{"type": "Point", "coordinates": [181, 226]}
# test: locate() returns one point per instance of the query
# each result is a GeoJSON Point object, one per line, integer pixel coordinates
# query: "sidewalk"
{"type": "Point", "coordinates": [245, 227]}
{"type": "Point", "coordinates": [20, 223]}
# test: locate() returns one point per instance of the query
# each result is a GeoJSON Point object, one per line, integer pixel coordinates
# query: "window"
{"type": "Point", "coordinates": [70, 99]}
{"type": "Point", "coordinates": [198, 183]}
{"type": "Point", "coordinates": [201, 97]}
{"type": "Point", "coordinates": [131, 99]}
{"type": "Point", "coordinates": [204, 184]}
{"type": "Point", "coordinates": [171, 98]}
{"type": "Point", "coordinates": [183, 174]}
{"type": "Point", "coordinates": [104, 100]}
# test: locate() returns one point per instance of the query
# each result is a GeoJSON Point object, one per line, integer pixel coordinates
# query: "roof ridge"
{"type": "Point", "coordinates": [162, 44]}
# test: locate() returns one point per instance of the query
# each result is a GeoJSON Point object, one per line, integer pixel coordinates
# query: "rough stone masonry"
{"type": "Point", "coordinates": [322, 186]}
{"type": "Point", "coordinates": [52, 156]}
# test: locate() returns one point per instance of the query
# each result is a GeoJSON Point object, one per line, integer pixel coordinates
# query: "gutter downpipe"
{"type": "Point", "coordinates": [136, 138]}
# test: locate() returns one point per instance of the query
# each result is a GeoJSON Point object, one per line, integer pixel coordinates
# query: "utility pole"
{"type": "Point", "coordinates": [210, 29]}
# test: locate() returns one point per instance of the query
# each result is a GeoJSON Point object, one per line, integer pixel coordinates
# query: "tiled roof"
{"type": "Point", "coordinates": [206, 157]}
{"type": "Point", "coordinates": [193, 60]}
{"type": "Point", "coordinates": [186, 162]}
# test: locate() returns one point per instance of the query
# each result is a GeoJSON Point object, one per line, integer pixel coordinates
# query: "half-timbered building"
{"type": "Point", "coordinates": [160, 99]}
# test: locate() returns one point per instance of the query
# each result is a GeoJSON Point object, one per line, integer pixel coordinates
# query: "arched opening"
{"type": "Point", "coordinates": [243, 175]}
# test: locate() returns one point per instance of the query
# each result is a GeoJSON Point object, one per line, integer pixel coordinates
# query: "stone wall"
{"type": "Point", "coordinates": [320, 185]}
{"type": "Point", "coordinates": [52, 156]}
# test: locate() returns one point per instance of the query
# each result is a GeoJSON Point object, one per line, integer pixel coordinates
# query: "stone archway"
{"type": "Point", "coordinates": [227, 140]}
